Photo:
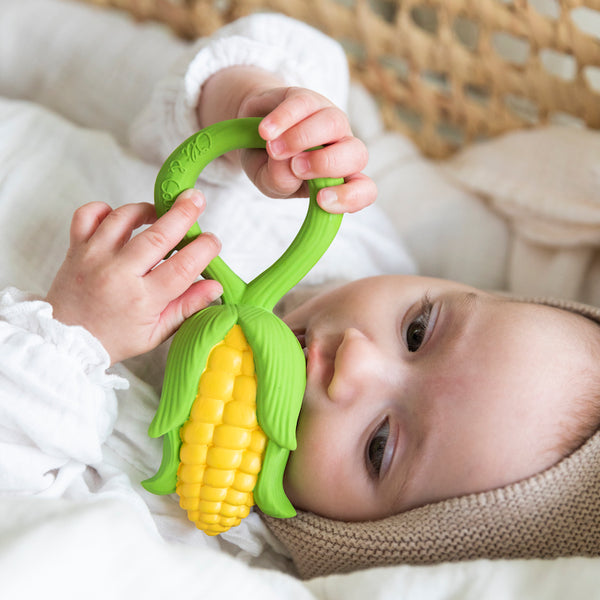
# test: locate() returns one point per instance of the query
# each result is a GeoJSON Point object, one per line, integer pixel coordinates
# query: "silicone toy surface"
{"type": "Point", "coordinates": [235, 373]}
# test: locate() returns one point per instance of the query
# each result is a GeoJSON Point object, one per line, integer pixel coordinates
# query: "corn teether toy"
{"type": "Point", "coordinates": [235, 373]}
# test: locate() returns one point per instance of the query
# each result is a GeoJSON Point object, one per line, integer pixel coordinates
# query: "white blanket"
{"type": "Point", "coordinates": [60, 550]}
{"type": "Point", "coordinates": [119, 542]}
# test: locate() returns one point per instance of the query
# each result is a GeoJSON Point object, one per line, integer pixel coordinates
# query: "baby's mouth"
{"type": "Point", "coordinates": [320, 361]}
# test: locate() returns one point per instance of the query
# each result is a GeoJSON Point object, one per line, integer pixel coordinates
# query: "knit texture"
{"type": "Point", "coordinates": [551, 514]}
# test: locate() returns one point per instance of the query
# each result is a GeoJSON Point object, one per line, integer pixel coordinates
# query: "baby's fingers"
{"type": "Point", "coordinates": [347, 156]}
{"type": "Point", "coordinates": [291, 106]}
{"type": "Point", "coordinates": [356, 193]}
{"type": "Point", "coordinates": [322, 127]}
{"type": "Point", "coordinates": [86, 220]}
{"type": "Point", "coordinates": [195, 298]}
{"type": "Point", "coordinates": [117, 225]}
{"type": "Point", "coordinates": [273, 177]}
{"type": "Point", "coordinates": [146, 249]}
{"type": "Point", "coordinates": [175, 275]}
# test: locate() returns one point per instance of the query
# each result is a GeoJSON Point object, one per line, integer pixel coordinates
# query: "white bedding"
{"type": "Point", "coordinates": [102, 550]}
{"type": "Point", "coordinates": [431, 217]}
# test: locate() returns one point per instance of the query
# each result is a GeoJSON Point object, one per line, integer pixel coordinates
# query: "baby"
{"type": "Point", "coordinates": [417, 389]}
{"type": "Point", "coordinates": [420, 390]}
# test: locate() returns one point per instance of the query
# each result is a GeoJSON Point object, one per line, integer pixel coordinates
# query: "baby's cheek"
{"type": "Point", "coordinates": [302, 472]}
{"type": "Point", "coordinates": [295, 481]}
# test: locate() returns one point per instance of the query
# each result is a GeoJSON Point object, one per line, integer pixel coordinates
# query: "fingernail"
{"type": "Point", "coordinates": [196, 196]}
{"type": "Point", "coordinates": [268, 129]}
{"type": "Point", "coordinates": [328, 199]}
{"type": "Point", "coordinates": [276, 147]}
{"type": "Point", "coordinates": [214, 238]}
{"type": "Point", "coordinates": [300, 165]}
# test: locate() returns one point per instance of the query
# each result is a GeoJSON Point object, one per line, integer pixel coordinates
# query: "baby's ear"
{"type": "Point", "coordinates": [301, 293]}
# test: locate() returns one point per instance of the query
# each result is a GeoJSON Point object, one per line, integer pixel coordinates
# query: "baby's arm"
{"type": "Point", "coordinates": [295, 119]}
{"type": "Point", "coordinates": [113, 285]}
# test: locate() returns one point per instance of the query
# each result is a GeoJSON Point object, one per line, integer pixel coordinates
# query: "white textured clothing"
{"type": "Point", "coordinates": [90, 106]}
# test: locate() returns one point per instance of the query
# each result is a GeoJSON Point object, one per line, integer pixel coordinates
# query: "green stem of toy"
{"type": "Point", "coordinates": [180, 172]}
{"type": "Point", "coordinates": [314, 237]}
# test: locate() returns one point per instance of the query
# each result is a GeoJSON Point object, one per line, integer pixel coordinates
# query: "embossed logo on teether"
{"type": "Point", "coordinates": [187, 158]}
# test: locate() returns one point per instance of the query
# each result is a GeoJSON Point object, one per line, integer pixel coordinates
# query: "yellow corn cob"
{"type": "Point", "coordinates": [222, 444]}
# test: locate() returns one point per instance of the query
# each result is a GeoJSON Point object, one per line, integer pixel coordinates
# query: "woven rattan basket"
{"type": "Point", "coordinates": [446, 72]}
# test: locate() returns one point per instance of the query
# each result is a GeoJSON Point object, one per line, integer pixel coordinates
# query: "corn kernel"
{"type": "Point", "coordinates": [209, 508]}
{"type": "Point", "coordinates": [251, 463]}
{"type": "Point", "coordinates": [212, 494]}
{"type": "Point", "coordinates": [225, 358]}
{"type": "Point", "coordinates": [244, 482]}
{"type": "Point", "coordinates": [208, 410]}
{"type": "Point", "coordinates": [235, 498]}
{"type": "Point", "coordinates": [195, 432]}
{"type": "Point", "coordinates": [229, 522]}
{"type": "Point", "coordinates": [228, 510]}
{"type": "Point", "coordinates": [209, 518]}
{"type": "Point", "coordinates": [211, 529]}
{"type": "Point", "coordinates": [228, 436]}
{"type": "Point", "coordinates": [189, 503]}
{"type": "Point", "coordinates": [216, 384]}
{"type": "Point", "coordinates": [244, 389]}
{"type": "Point", "coordinates": [223, 458]}
{"type": "Point", "coordinates": [193, 454]}
{"type": "Point", "coordinates": [191, 473]}
{"type": "Point", "coordinates": [235, 338]}
{"type": "Point", "coordinates": [258, 441]}
{"type": "Point", "coordinates": [189, 489]}
{"type": "Point", "coordinates": [240, 414]}
{"type": "Point", "coordinates": [219, 477]}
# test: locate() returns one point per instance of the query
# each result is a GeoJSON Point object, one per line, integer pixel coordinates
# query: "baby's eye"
{"type": "Point", "coordinates": [418, 328]}
{"type": "Point", "coordinates": [376, 448]}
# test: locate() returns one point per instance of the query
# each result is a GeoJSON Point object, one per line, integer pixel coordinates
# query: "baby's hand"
{"type": "Point", "coordinates": [297, 119]}
{"type": "Point", "coordinates": [113, 285]}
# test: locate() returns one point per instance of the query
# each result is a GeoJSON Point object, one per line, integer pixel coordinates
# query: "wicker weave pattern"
{"type": "Point", "coordinates": [446, 72]}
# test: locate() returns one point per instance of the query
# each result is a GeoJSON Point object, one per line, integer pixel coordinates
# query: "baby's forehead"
{"type": "Point", "coordinates": [576, 329]}
{"type": "Point", "coordinates": [575, 317]}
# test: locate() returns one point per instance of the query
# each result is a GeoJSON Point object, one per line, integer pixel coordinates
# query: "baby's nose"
{"type": "Point", "coordinates": [359, 369]}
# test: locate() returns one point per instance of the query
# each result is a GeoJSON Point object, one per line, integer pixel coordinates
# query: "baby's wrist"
{"type": "Point", "coordinates": [225, 94]}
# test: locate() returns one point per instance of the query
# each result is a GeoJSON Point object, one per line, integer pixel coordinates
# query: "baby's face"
{"type": "Point", "coordinates": [421, 389]}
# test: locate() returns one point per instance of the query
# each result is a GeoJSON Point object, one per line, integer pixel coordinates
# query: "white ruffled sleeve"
{"type": "Point", "coordinates": [298, 54]}
{"type": "Point", "coordinates": [57, 400]}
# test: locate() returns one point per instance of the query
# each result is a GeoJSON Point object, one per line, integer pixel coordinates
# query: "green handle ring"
{"type": "Point", "coordinates": [279, 359]}
{"type": "Point", "coordinates": [180, 172]}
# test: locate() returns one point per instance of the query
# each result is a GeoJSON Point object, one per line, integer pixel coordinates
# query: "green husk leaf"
{"type": "Point", "coordinates": [269, 494]}
{"type": "Point", "coordinates": [280, 371]}
{"type": "Point", "coordinates": [165, 479]}
{"type": "Point", "coordinates": [186, 361]}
